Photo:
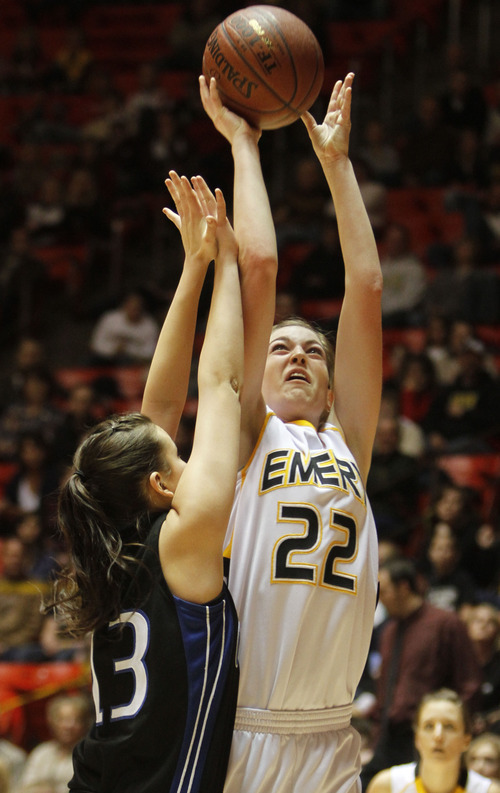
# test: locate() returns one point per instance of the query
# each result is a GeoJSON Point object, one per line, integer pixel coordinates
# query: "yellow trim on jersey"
{"type": "Point", "coordinates": [227, 550]}
{"type": "Point", "coordinates": [245, 468]}
{"type": "Point", "coordinates": [420, 788]}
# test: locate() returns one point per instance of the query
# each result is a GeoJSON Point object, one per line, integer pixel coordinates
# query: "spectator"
{"type": "Point", "coordinates": [380, 155]}
{"type": "Point", "coordinates": [20, 602]}
{"type": "Point", "coordinates": [26, 63]}
{"type": "Point", "coordinates": [4, 777]}
{"type": "Point", "coordinates": [167, 143]}
{"type": "Point", "coordinates": [404, 278]}
{"type": "Point", "coordinates": [13, 759]}
{"type": "Point", "coordinates": [374, 195]}
{"type": "Point", "coordinates": [189, 34]}
{"type": "Point", "coordinates": [483, 626]}
{"type": "Point", "coordinates": [454, 507]}
{"type": "Point", "coordinates": [49, 766]}
{"type": "Point", "coordinates": [482, 219]}
{"type": "Point", "coordinates": [427, 146]}
{"type": "Point", "coordinates": [461, 332]}
{"type": "Point", "coordinates": [85, 217]}
{"type": "Point", "coordinates": [483, 755]}
{"type": "Point", "coordinates": [481, 557]}
{"type": "Point", "coordinates": [469, 169]}
{"type": "Point", "coordinates": [40, 555]}
{"type": "Point", "coordinates": [463, 289]}
{"type": "Point", "coordinates": [463, 104]}
{"type": "Point", "coordinates": [437, 346]}
{"type": "Point", "coordinates": [392, 485]}
{"type": "Point", "coordinates": [46, 215]}
{"type": "Point", "coordinates": [56, 644]}
{"type": "Point", "coordinates": [28, 171]}
{"type": "Point", "coordinates": [298, 215]}
{"type": "Point", "coordinates": [492, 131]}
{"type": "Point", "coordinates": [125, 335]}
{"type": "Point", "coordinates": [448, 586]}
{"type": "Point", "coordinates": [146, 101]}
{"type": "Point", "coordinates": [72, 63]}
{"type": "Point", "coordinates": [80, 415]}
{"type": "Point", "coordinates": [422, 648]}
{"type": "Point", "coordinates": [464, 415]}
{"type": "Point", "coordinates": [23, 286]}
{"type": "Point", "coordinates": [29, 354]}
{"type": "Point", "coordinates": [417, 386]}
{"type": "Point", "coordinates": [33, 487]}
{"type": "Point", "coordinates": [442, 734]}
{"type": "Point", "coordinates": [320, 274]}
{"type": "Point", "coordinates": [411, 436]}
{"type": "Point", "coordinates": [35, 411]}
{"type": "Point", "coordinates": [109, 115]}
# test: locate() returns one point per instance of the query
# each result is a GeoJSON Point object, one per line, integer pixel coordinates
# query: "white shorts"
{"type": "Point", "coordinates": [300, 752]}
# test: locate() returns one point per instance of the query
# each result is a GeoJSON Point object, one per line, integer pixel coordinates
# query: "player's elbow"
{"type": "Point", "coordinates": [368, 283]}
{"type": "Point", "coordinates": [259, 262]}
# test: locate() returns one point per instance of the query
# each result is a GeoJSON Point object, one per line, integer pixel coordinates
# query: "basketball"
{"type": "Point", "coordinates": [268, 65]}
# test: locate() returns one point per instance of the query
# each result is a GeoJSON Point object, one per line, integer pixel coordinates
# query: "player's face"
{"type": "Point", "coordinates": [296, 382]}
{"type": "Point", "coordinates": [440, 733]}
{"type": "Point", "coordinates": [484, 760]}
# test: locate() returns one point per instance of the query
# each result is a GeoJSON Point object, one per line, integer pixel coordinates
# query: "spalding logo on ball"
{"type": "Point", "coordinates": [268, 65]}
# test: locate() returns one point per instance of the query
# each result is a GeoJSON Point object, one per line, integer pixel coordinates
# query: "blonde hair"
{"type": "Point", "coordinates": [445, 695]}
{"type": "Point", "coordinates": [80, 702]}
{"type": "Point", "coordinates": [485, 738]}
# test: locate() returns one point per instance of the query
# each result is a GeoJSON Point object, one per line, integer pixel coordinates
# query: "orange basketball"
{"type": "Point", "coordinates": [268, 65]}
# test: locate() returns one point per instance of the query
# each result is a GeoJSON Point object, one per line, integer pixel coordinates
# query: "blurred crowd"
{"type": "Point", "coordinates": [82, 164]}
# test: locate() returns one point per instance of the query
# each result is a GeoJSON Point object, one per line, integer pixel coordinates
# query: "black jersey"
{"type": "Point", "coordinates": [164, 682]}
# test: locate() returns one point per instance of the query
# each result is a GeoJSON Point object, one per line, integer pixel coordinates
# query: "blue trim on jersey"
{"type": "Point", "coordinates": [207, 646]}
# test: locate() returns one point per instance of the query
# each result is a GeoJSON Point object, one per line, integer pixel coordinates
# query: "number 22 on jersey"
{"type": "Point", "coordinates": [290, 563]}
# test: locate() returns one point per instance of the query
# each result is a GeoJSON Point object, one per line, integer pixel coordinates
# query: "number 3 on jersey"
{"type": "Point", "coordinates": [343, 551]}
{"type": "Point", "coordinates": [138, 623]}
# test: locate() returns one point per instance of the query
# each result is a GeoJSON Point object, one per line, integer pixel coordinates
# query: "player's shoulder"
{"type": "Point", "coordinates": [381, 782]}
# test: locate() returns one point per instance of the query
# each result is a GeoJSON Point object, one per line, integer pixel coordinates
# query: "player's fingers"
{"type": "Point", "coordinates": [221, 205]}
{"type": "Point", "coordinates": [309, 121]}
{"type": "Point", "coordinates": [346, 109]}
{"type": "Point", "coordinates": [334, 95]}
{"type": "Point", "coordinates": [205, 196]}
{"type": "Point", "coordinates": [214, 92]}
{"type": "Point", "coordinates": [173, 192]}
{"type": "Point", "coordinates": [191, 203]}
{"type": "Point", "coordinates": [204, 92]}
{"type": "Point", "coordinates": [174, 186]}
{"type": "Point", "coordinates": [173, 216]}
{"type": "Point", "coordinates": [346, 86]}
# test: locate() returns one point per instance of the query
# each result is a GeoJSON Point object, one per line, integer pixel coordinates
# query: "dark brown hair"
{"type": "Point", "coordinates": [102, 509]}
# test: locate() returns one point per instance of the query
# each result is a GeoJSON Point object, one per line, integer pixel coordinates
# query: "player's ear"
{"type": "Point", "coordinates": [329, 399]}
{"type": "Point", "coordinates": [158, 489]}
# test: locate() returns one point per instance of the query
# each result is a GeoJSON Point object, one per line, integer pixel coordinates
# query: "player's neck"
{"type": "Point", "coordinates": [435, 777]}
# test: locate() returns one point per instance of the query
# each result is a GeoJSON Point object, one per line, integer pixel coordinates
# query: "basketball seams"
{"type": "Point", "coordinates": [245, 70]}
{"type": "Point", "coordinates": [271, 91]}
{"type": "Point", "coordinates": [310, 43]}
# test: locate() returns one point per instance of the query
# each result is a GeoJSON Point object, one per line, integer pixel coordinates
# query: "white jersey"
{"type": "Point", "coordinates": [303, 571]}
{"type": "Point", "coordinates": [403, 780]}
